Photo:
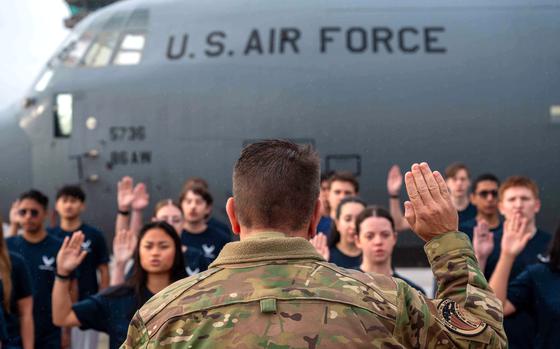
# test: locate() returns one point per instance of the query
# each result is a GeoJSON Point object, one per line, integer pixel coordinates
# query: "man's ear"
{"type": "Point", "coordinates": [315, 218]}
{"type": "Point", "coordinates": [230, 210]}
{"type": "Point", "coordinates": [500, 208]}
{"type": "Point", "coordinates": [538, 206]}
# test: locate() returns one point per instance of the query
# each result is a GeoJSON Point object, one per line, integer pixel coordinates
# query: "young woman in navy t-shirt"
{"type": "Point", "coordinates": [158, 261]}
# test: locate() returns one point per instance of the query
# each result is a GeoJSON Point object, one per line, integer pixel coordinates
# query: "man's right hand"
{"type": "Point", "coordinates": [124, 244]}
{"type": "Point", "coordinates": [430, 211]}
{"type": "Point", "coordinates": [515, 236]}
{"type": "Point", "coordinates": [125, 194]}
{"type": "Point", "coordinates": [394, 181]}
{"type": "Point", "coordinates": [483, 241]}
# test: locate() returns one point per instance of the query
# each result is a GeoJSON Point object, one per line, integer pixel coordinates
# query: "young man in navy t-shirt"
{"type": "Point", "coordinates": [518, 195]}
{"type": "Point", "coordinates": [341, 185]}
{"type": "Point", "coordinates": [70, 204]}
{"type": "Point", "coordinates": [39, 251]}
{"type": "Point", "coordinates": [196, 203]}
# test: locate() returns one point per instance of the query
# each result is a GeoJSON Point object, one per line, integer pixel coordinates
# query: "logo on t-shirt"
{"type": "Point", "coordinates": [48, 263]}
{"type": "Point", "coordinates": [208, 251]}
{"type": "Point", "coordinates": [86, 245]}
{"type": "Point", "coordinates": [192, 272]}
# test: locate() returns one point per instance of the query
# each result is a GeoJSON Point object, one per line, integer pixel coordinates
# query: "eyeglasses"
{"type": "Point", "coordinates": [484, 193]}
{"type": "Point", "coordinates": [23, 211]}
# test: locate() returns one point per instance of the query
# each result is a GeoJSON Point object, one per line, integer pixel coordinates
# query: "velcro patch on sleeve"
{"type": "Point", "coordinates": [458, 320]}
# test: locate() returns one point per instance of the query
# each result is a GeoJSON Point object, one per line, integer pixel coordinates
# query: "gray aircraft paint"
{"type": "Point", "coordinates": [481, 93]}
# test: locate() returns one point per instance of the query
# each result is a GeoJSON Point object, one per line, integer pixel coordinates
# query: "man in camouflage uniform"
{"type": "Point", "coordinates": [272, 289]}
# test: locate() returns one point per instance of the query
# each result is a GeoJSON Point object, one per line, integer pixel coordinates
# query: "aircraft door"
{"type": "Point", "coordinates": [75, 120]}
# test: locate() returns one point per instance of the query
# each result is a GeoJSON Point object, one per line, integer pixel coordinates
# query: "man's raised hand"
{"type": "Point", "coordinates": [483, 242]}
{"type": "Point", "coordinates": [124, 244]}
{"type": "Point", "coordinates": [319, 241]}
{"type": "Point", "coordinates": [430, 211]}
{"type": "Point", "coordinates": [515, 236]}
{"type": "Point", "coordinates": [394, 181]}
{"type": "Point", "coordinates": [125, 194]}
{"type": "Point", "coordinates": [141, 198]}
{"type": "Point", "coordinates": [70, 254]}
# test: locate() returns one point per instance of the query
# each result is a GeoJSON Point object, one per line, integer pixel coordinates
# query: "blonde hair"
{"type": "Point", "coordinates": [5, 269]}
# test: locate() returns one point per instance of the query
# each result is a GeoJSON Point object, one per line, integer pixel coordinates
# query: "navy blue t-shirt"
{"type": "Point", "coordinates": [467, 227]}
{"type": "Point", "coordinates": [325, 225]}
{"type": "Point", "coordinates": [98, 254]}
{"type": "Point", "coordinates": [520, 327]}
{"type": "Point", "coordinates": [340, 259]}
{"type": "Point", "coordinates": [21, 288]}
{"type": "Point", "coordinates": [467, 214]}
{"type": "Point", "coordinates": [194, 261]}
{"type": "Point", "coordinates": [109, 311]}
{"type": "Point", "coordinates": [41, 260]}
{"type": "Point", "coordinates": [219, 225]}
{"type": "Point", "coordinates": [537, 291]}
{"type": "Point", "coordinates": [210, 242]}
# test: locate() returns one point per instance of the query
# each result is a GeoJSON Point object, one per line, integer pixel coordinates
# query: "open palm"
{"type": "Point", "coordinates": [70, 255]}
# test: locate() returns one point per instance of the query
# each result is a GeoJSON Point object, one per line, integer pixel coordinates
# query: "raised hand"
{"type": "Point", "coordinates": [141, 198]}
{"type": "Point", "coordinates": [319, 241]}
{"type": "Point", "coordinates": [70, 254]}
{"type": "Point", "coordinates": [394, 180]}
{"type": "Point", "coordinates": [14, 216]}
{"type": "Point", "coordinates": [125, 194]}
{"type": "Point", "coordinates": [429, 212]}
{"type": "Point", "coordinates": [483, 241]}
{"type": "Point", "coordinates": [124, 244]}
{"type": "Point", "coordinates": [515, 236]}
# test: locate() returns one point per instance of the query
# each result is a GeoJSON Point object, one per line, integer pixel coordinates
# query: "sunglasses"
{"type": "Point", "coordinates": [485, 193]}
{"type": "Point", "coordinates": [33, 212]}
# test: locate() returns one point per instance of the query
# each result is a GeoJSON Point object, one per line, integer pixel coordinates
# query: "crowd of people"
{"type": "Point", "coordinates": [59, 287]}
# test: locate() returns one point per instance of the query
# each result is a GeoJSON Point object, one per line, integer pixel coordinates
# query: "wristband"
{"type": "Point", "coordinates": [124, 213]}
{"type": "Point", "coordinates": [395, 196]}
{"type": "Point", "coordinates": [62, 277]}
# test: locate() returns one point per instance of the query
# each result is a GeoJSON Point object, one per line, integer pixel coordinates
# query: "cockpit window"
{"type": "Point", "coordinates": [99, 54]}
{"type": "Point", "coordinates": [118, 39]}
{"type": "Point", "coordinates": [130, 51]}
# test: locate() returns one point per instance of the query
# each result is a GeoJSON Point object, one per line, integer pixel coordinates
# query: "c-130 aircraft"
{"type": "Point", "coordinates": [165, 90]}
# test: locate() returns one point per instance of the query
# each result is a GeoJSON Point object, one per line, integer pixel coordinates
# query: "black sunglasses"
{"type": "Point", "coordinates": [34, 213]}
{"type": "Point", "coordinates": [484, 193]}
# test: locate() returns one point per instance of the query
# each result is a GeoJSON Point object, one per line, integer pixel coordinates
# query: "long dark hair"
{"type": "Point", "coordinates": [555, 251]}
{"type": "Point", "coordinates": [5, 270]}
{"type": "Point", "coordinates": [334, 236]}
{"type": "Point", "coordinates": [139, 278]}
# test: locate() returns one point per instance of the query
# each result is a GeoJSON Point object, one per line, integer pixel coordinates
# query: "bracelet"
{"type": "Point", "coordinates": [395, 196]}
{"type": "Point", "coordinates": [62, 277]}
{"type": "Point", "coordinates": [124, 213]}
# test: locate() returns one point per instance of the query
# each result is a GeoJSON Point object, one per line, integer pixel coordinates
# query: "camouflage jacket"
{"type": "Point", "coordinates": [272, 291]}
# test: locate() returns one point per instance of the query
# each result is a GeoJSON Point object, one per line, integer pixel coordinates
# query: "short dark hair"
{"type": "Point", "coordinates": [276, 184]}
{"type": "Point", "coordinates": [196, 181]}
{"type": "Point", "coordinates": [345, 176]}
{"type": "Point", "coordinates": [73, 191]}
{"type": "Point", "coordinates": [374, 211]}
{"type": "Point", "coordinates": [198, 190]}
{"type": "Point", "coordinates": [452, 170]}
{"type": "Point", "coordinates": [326, 176]}
{"type": "Point", "coordinates": [482, 178]}
{"type": "Point", "coordinates": [37, 196]}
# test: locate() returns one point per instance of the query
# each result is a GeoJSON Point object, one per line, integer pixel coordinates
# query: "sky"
{"type": "Point", "coordinates": [30, 33]}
